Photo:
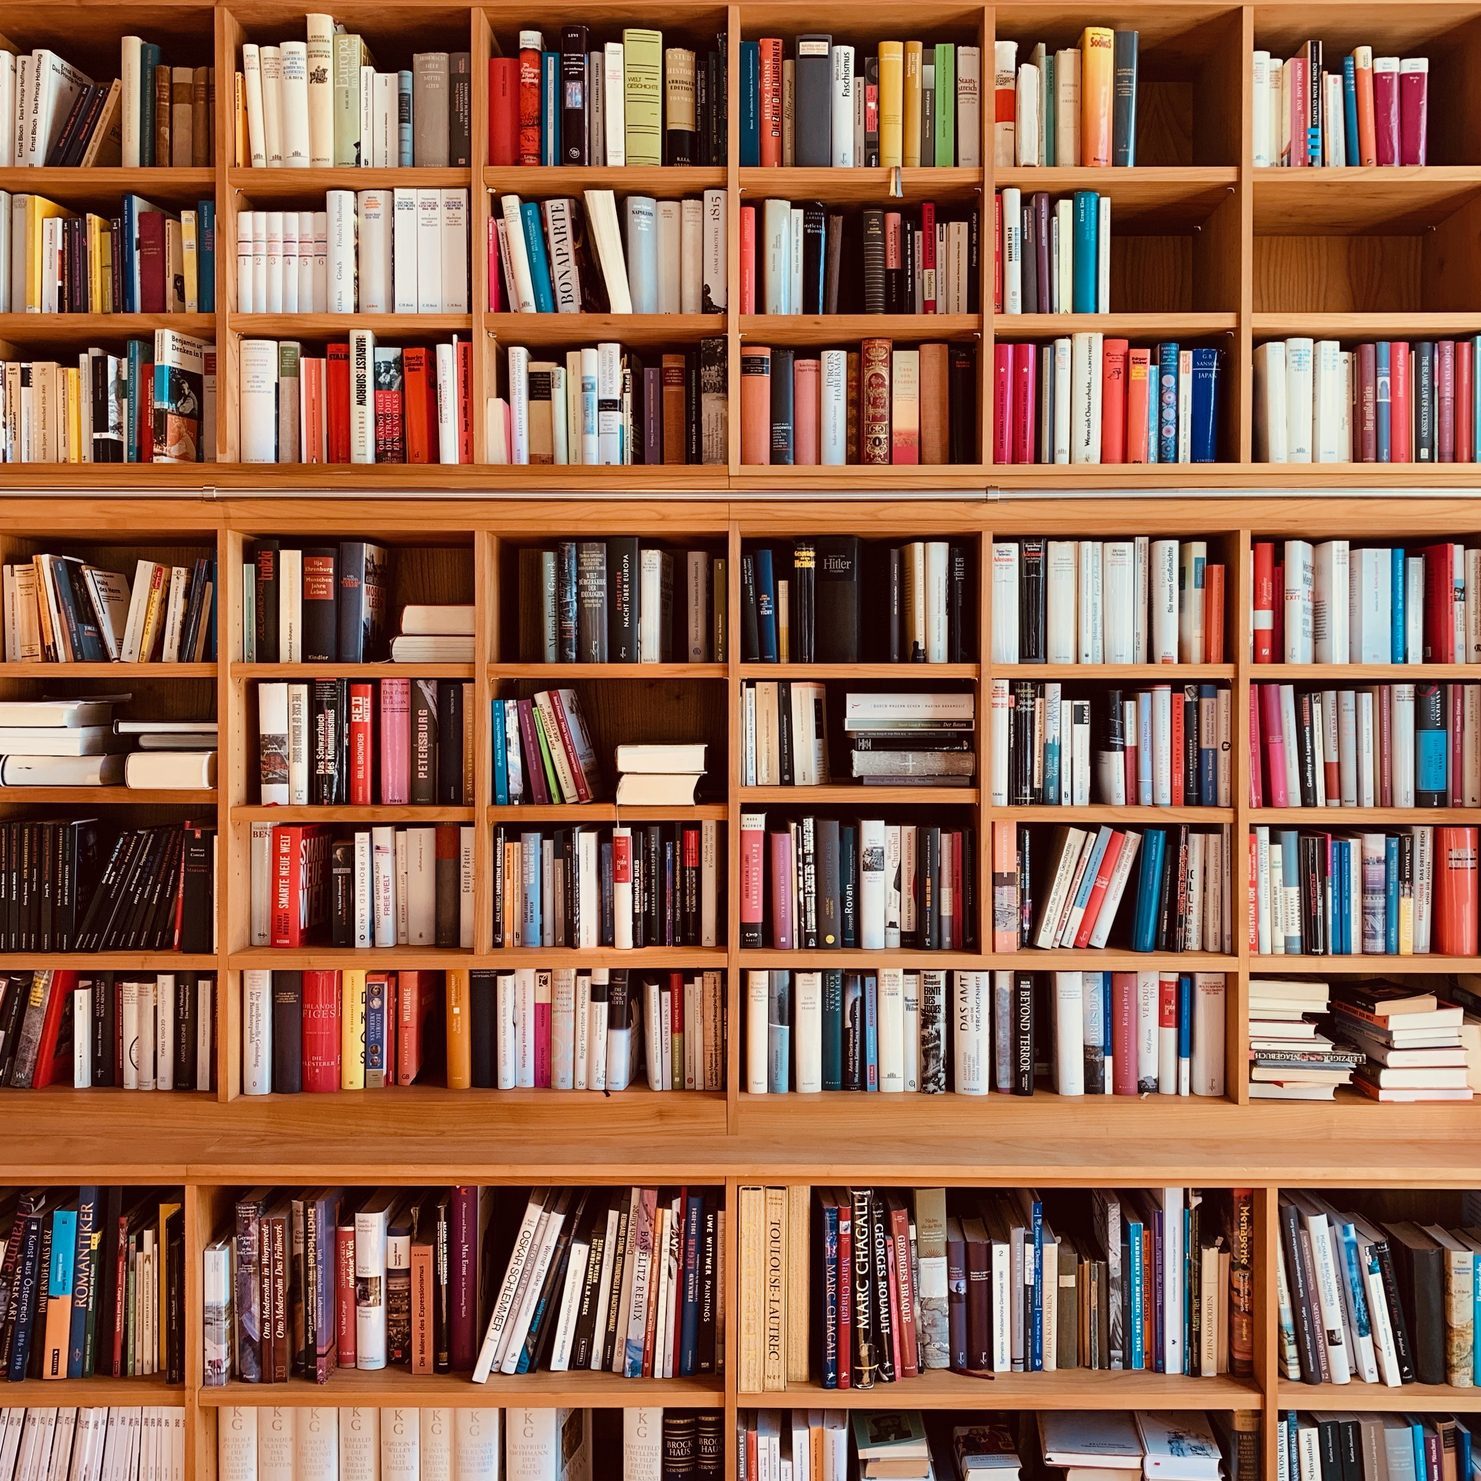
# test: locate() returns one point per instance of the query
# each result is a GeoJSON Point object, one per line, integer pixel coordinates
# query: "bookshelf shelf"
{"type": "Point", "coordinates": [587, 329]}
{"type": "Point", "coordinates": [88, 329]}
{"type": "Point", "coordinates": [122, 961]}
{"type": "Point", "coordinates": [904, 673]}
{"type": "Point", "coordinates": [539, 181]}
{"type": "Point", "coordinates": [47, 1391]}
{"type": "Point", "coordinates": [315, 957]}
{"type": "Point", "coordinates": [397, 1386]}
{"type": "Point", "coordinates": [241, 670]}
{"type": "Point", "coordinates": [112, 796]}
{"type": "Point", "coordinates": [1134, 326]}
{"type": "Point", "coordinates": [1112, 673]}
{"type": "Point", "coordinates": [379, 813]}
{"type": "Point", "coordinates": [861, 185]}
{"type": "Point", "coordinates": [1365, 325]}
{"type": "Point", "coordinates": [329, 326]}
{"type": "Point", "coordinates": [1354, 817]}
{"type": "Point", "coordinates": [817, 957]}
{"type": "Point", "coordinates": [1390, 198]}
{"type": "Point", "coordinates": [829, 329]}
{"type": "Point", "coordinates": [603, 812]}
{"type": "Point", "coordinates": [1144, 197]}
{"type": "Point", "coordinates": [1100, 812]}
{"type": "Point", "coordinates": [132, 672]}
{"type": "Point", "coordinates": [1416, 1398]}
{"type": "Point", "coordinates": [292, 185]}
{"type": "Point", "coordinates": [856, 795]}
{"type": "Point", "coordinates": [1359, 966]}
{"type": "Point", "coordinates": [560, 673]}
{"type": "Point", "coordinates": [604, 956]}
{"type": "Point", "coordinates": [1337, 675]}
{"type": "Point", "coordinates": [93, 186]}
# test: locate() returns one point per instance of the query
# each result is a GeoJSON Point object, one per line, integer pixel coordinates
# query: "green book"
{"type": "Point", "coordinates": [642, 62]}
{"type": "Point", "coordinates": [945, 104]}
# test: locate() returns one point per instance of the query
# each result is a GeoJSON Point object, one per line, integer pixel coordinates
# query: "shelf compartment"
{"type": "Point", "coordinates": [350, 957]}
{"type": "Point", "coordinates": [1364, 325]}
{"type": "Point", "coordinates": [1416, 1398]}
{"type": "Point", "coordinates": [1358, 817]}
{"type": "Point", "coordinates": [852, 958]}
{"type": "Point", "coordinates": [1359, 966]}
{"type": "Point", "coordinates": [42, 331]}
{"type": "Point", "coordinates": [667, 182]}
{"type": "Point", "coordinates": [864, 185]}
{"type": "Point", "coordinates": [1334, 675]}
{"type": "Point", "coordinates": [542, 330]}
{"type": "Point", "coordinates": [860, 672]}
{"type": "Point", "coordinates": [603, 956]}
{"type": "Point", "coordinates": [395, 1386]}
{"type": "Point", "coordinates": [844, 794]}
{"type": "Point", "coordinates": [827, 330]}
{"type": "Point", "coordinates": [263, 184]}
{"type": "Point", "coordinates": [21, 669]}
{"type": "Point", "coordinates": [1143, 197]}
{"type": "Point", "coordinates": [1360, 199]}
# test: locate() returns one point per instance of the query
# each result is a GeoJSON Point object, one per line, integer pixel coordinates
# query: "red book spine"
{"type": "Point", "coordinates": [1257, 793]}
{"type": "Point", "coordinates": [503, 111]}
{"type": "Point", "coordinates": [287, 929]}
{"type": "Point", "coordinates": [958, 894]}
{"type": "Point", "coordinates": [63, 985]}
{"type": "Point", "coordinates": [1385, 754]}
{"type": "Point", "coordinates": [1455, 891]}
{"type": "Point", "coordinates": [928, 257]}
{"type": "Point", "coordinates": [568, 745]}
{"type": "Point", "coordinates": [1465, 418]}
{"type": "Point", "coordinates": [463, 1276]}
{"type": "Point", "coordinates": [151, 252]}
{"type": "Point", "coordinates": [1113, 401]}
{"type": "Point", "coordinates": [892, 1280]}
{"type": "Point", "coordinates": [1401, 436]}
{"type": "Point", "coordinates": [321, 1031]}
{"type": "Point", "coordinates": [1439, 590]}
{"type": "Point", "coordinates": [748, 259]}
{"type": "Point", "coordinates": [529, 106]}
{"type": "Point", "coordinates": [752, 883]}
{"type": "Point", "coordinates": [1123, 1033]}
{"type": "Point", "coordinates": [1176, 736]}
{"type": "Point", "coordinates": [1445, 401]}
{"type": "Point", "coordinates": [1367, 404]}
{"type": "Point", "coordinates": [1213, 614]}
{"type": "Point", "coordinates": [144, 412]}
{"type": "Point", "coordinates": [344, 1293]}
{"type": "Point", "coordinates": [421, 432]}
{"type": "Point", "coordinates": [874, 397]}
{"type": "Point", "coordinates": [393, 1021]}
{"type": "Point", "coordinates": [770, 48]}
{"type": "Point", "coordinates": [1262, 598]}
{"type": "Point", "coordinates": [997, 251]}
{"type": "Point", "coordinates": [495, 272]}
{"type": "Point", "coordinates": [1138, 388]}
{"type": "Point", "coordinates": [1278, 615]}
{"type": "Point", "coordinates": [1101, 883]}
{"type": "Point", "coordinates": [337, 401]}
{"type": "Point", "coordinates": [362, 723]}
{"type": "Point", "coordinates": [1002, 403]}
{"type": "Point", "coordinates": [534, 770]}
{"type": "Point", "coordinates": [1025, 401]}
{"type": "Point", "coordinates": [409, 996]}
{"type": "Point", "coordinates": [465, 400]}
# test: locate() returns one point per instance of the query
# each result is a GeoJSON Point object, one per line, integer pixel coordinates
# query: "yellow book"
{"type": "Point", "coordinates": [1097, 70]}
{"type": "Point", "coordinates": [774, 1374]}
{"type": "Point", "coordinates": [239, 121]}
{"type": "Point", "coordinates": [642, 61]}
{"type": "Point", "coordinates": [38, 210]}
{"type": "Point", "coordinates": [72, 399]}
{"type": "Point", "coordinates": [352, 1030]}
{"type": "Point", "coordinates": [799, 1204]}
{"type": "Point", "coordinates": [105, 268]}
{"type": "Point", "coordinates": [891, 100]}
{"type": "Point", "coordinates": [191, 260]}
{"type": "Point", "coordinates": [459, 1032]}
{"type": "Point", "coordinates": [750, 1306]}
{"type": "Point", "coordinates": [910, 106]}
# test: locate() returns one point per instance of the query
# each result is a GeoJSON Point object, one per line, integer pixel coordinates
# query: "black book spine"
{"type": "Point", "coordinates": [848, 885]}
{"type": "Point", "coordinates": [1023, 1034]}
{"type": "Point", "coordinates": [265, 560]}
{"type": "Point", "coordinates": [104, 1030]}
{"type": "Point", "coordinates": [1298, 1277]}
{"type": "Point", "coordinates": [351, 613]}
{"type": "Point", "coordinates": [287, 1032]}
{"type": "Point", "coordinates": [1398, 1320]}
{"type": "Point", "coordinates": [929, 893]}
{"type": "Point", "coordinates": [814, 241]}
{"type": "Point", "coordinates": [1031, 633]}
{"type": "Point", "coordinates": [962, 396]}
{"type": "Point", "coordinates": [320, 590]}
{"type": "Point", "coordinates": [784, 738]}
{"type": "Point", "coordinates": [460, 110]}
{"type": "Point", "coordinates": [896, 600]}
{"type": "Point", "coordinates": [750, 634]}
{"type": "Point", "coordinates": [1123, 98]}
{"type": "Point", "coordinates": [327, 779]}
{"type": "Point", "coordinates": [804, 602]}
{"type": "Point", "coordinates": [483, 1017]}
{"type": "Point", "coordinates": [1425, 441]}
{"type": "Point", "coordinates": [957, 599]}
{"type": "Point", "coordinates": [693, 420]}
{"type": "Point", "coordinates": [622, 599]}
{"type": "Point", "coordinates": [424, 742]}
{"type": "Point", "coordinates": [829, 882]}
{"type": "Point", "coordinates": [1306, 748]}
{"type": "Point", "coordinates": [581, 1342]}
{"type": "Point", "coordinates": [591, 601]}
{"type": "Point", "coordinates": [449, 768]}
{"type": "Point", "coordinates": [781, 405]}
{"type": "Point", "coordinates": [1191, 741]}
{"type": "Point", "coordinates": [880, 1244]}
{"type": "Point", "coordinates": [342, 892]}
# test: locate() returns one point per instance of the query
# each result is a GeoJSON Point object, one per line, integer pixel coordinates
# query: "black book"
{"type": "Point", "coordinates": [1425, 402]}
{"type": "Point", "coordinates": [1299, 1277]}
{"type": "Point", "coordinates": [884, 1313]}
{"type": "Point", "coordinates": [1190, 741]}
{"type": "Point", "coordinates": [804, 601]}
{"type": "Point", "coordinates": [1029, 256]}
{"type": "Point", "coordinates": [320, 615]}
{"type": "Point", "coordinates": [328, 720]}
{"type": "Point", "coordinates": [895, 604]}
{"type": "Point", "coordinates": [855, 992]}
{"type": "Point", "coordinates": [814, 237]}
{"type": "Point", "coordinates": [449, 765]}
{"type": "Point", "coordinates": [619, 1261]}
{"type": "Point", "coordinates": [483, 1019]}
{"type": "Point", "coordinates": [197, 609]}
{"type": "Point", "coordinates": [962, 395]}
{"type": "Point", "coordinates": [680, 1435]}
{"type": "Point", "coordinates": [265, 563]}
{"type": "Point", "coordinates": [693, 422]}
{"type": "Point", "coordinates": [1022, 742]}
{"type": "Point", "coordinates": [1123, 97]}
{"type": "Point", "coordinates": [785, 739]}
{"type": "Point", "coordinates": [1023, 1033]}
{"type": "Point", "coordinates": [833, 266]}
{"type": "Point", "coordinates": [1419, 1265]}
{"type": "Point", "coordinates": [287, 1032]}
{"type": "Point", "coordinates": [848, 886]}
{"type": "Point", "coordinates": [928, 892]}
{"type": "Point", "coordinates": [459, 110]}
{"type": "Point", "coordinates": [1388, 1274]}
{"type": "Point", "coordinates": [364, 601]}
{"type": "Point", "coordinates": [1305, 749]}
{"type": "Point", "coordinates": [622, 598]}
{"type": "Point", "coordinates": [342, 892]}
{"type": "Point", "coordinates": [567, 624]}
{"type": "Point", "coordinates": [586, 1312]}
{"type": "Point", "coordinates": [814, 100]}
{"type": "Point", "coordinates": [198, 889]}
{"type": "Point", "coordinates": [782, 357]}
{"type": "Point", "coordinates": [708, 1291]}
{"type": "Point", "coordinates": [1311, 857]}
{"type": "Point", "coordinates": [829, 889]}
{"type": "Point", "coordinates": [835, 602]}
{"type": "Point", "coordinates": [536, 605]}
{"type": "Point", "coordinates": [958, 603]}
{"type": "Point", "coordinates": [1031, 634]}
{"type": "Point", "coordinates": [750, 617]}
{"type": "Point", "coordinates": [911, 299]}
{"type": "Point", "coordinates": [591, 602]}
{"type": "Point", "coordinates": [186, 995]}
{"type": "Point", "coordinates": [424, 741]}
{"type": "Point", "coordinates": [871, 114]}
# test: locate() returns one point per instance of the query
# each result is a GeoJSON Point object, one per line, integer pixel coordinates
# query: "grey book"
{"type": "Point", "coordinates": [430, 108]}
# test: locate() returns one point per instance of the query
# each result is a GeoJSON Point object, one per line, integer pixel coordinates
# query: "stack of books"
{"type": "Point", "coordinates": [59, 743]}
{"type": "Point", "coordinates": [893, 1444]}
{"type": "Point", "coordinates": [1411, 1039]}
{"type": "Point", "coordinates": [1080, 1447]}
{"type": "Point", "coordinates": [172, 755]}
{"type": "Point", "coordinates": [911, 740]}
{"type": "Point", "coordinates": [1290, 1058]}
{"type": "Point", "coordinates": [434, 634]}
{"type": "Point", "coordinates": [1075, 106]}
{"type": "Point", "coordinates": [658, 775]}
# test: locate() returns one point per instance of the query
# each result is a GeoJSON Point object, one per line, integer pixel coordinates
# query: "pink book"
{"type": "Point", "coordinates": [1414, 107]}
{"type": "Point", "coordinates": [1252, 892]}
{"type": "Point", "coordinates": [496, 280]}
{"type": "Point", "coordinates": [542, 1033]}
{"type": "Point", "coordinates": [752, 877]}
{"type": "Point", "coordinates": [1257, 792]}
{"type": "Point", "coordinates": [395, 695]}
{"type": "Point", "coordinates": [1275, 745]}
{"type": "Point", "coordinates": [748, 259]}
{"type": "Point", "coordinates": [1445, 401]}
{"type": "Point", "coordinates": [1386, 113]}
{"type": "Point", "coordinates": [1299, 102]}
{"type": "Point", "coordinates": [781, 890]}
{"type": "Point", "coordinates": [1002, 403]}
{"type": "Point", "coordinates": [1025, 397]}
{"type": "Point", "coordinates": [806, 403]}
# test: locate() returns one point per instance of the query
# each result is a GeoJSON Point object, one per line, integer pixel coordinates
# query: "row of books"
{"type": "Point", "coordinates": [1387, 1447]}
{"type": "Point", "coordinates": [63, 609]}
{"type": "Point", "coordinates": [1051, 257]}
{"type": "Point", "coordinates": [131, 1030]}
{"type": "Point", "coordinates": [1373, 111]}
{"type": "Point", "coordinates": [611, 406]}
{"type": "Point", "coordinates": [617, 601]}
{"type": "Point", "coordinates": [320, 603]}
{"type": "Point", "coordinates": [391, 741]}
{"type": "Point", "coordinates": [152, 114]}
{"type": "Point", "coordinates": [358, 402]}
{"type": "Point", "coordinates": [77, 886]}
{"type": "Point", "coordinates": [1381, 892]}
{"type": "Point", "coordinates": [142, 259]}
{"type": "Point", "coordinates": [812, 882]}
{"type": "Point", "coordinates": [649, 884]}
{"type": "Point", "coordinates": [1381, 401]}
{"type": "Point", "coordinates": [1391, 745]}
{"type": "Point", "coordinates": [668, 257]}
{"type": "Point", "coordinates": [380, 886]}
{"type": "Point", "coordinates": [842, 406]}
{"type": "Point", "coordinates": [1091, 398]}
{"type": "Point", "coordinates": [1066, 890]}
{"type": "Point", "coordinates": [922, 261]}
{"type": "Point", "coordinates": [831, 103]}
{"type": "Point", "coordinates": [369, 251]}
{"type": "Point", "coordinates": [321, 102]}
{"type": "Point", "coordinates": [1165, 746]}
{"type": "Point", "coordinates": [96, 1283]}
{"type": "Point", "coordinates": [859, 1286]}
{"type": "Point", "coordinates": [129, 1442]}
{"type": "Point", "coordinates": [1069, 106]}
{"type": "Point", "coordinates": [630, 101]}
{"type": "Point", "coordinates": [1336, 602]}
{"type": "Point", "coordinates": [542, 750]}
{"type": "Point", "coordinates": [805, 605]}
{"type": "Point", "coordinates": [536, 1028]}
{"type": "Point", "coordinates": [154, 403]}
{"type": "Point", "coordinates": [1134, 600]}
{"type": "Point", "coordinates": [1381, 1301]}
{"type": "Point", "coordinates": [1084, 1033]}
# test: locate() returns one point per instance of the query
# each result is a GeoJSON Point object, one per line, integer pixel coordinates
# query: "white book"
{"type": "Point", "coordinates": [373, 252]}
{"type": "Point", "coordinates": [1090, 561]}
{"type": "Point", "coordinates": [1085, 397]}
{"type": "Point", "coordinates": [968, 108]}
{"type": "Point", "coordinates": [258, 400]}
{"type": "Point", "coordinates": [131, 110]}
{"type": "Point", "coordinates": [668, 235]}
{"type": "Point", "coordinates": [429, 251]}
{"type": "Point", "coordinates": [512, 246]}
{"type": "Point", "coordinates": [891, 1011]}
{"type": "Point", "coordinates": [294, 102]}
{"type": "Point", "coordinates": [1330, 601]}
{"type": "Point", "coordinates": [1328, 443]}
{"type": "Point", "coordinates": [320, 60]}
{"type": "Point", "coordinates": [454, 278]}
{"type": "Point", "coordinates": [1012, 244]}
{"type": "Point", "coordinates": [342, 221]}
{"type": "Point", "coordinates": [1060, 607]}
{"type": "Point", "coordinates": [843, 106]}
{"type": "Point", "coordinates": [1260, 80]}
{"type": "Point", "coordinates": [1300, 580]}
{"type": "Point", "coordinates": [1272, 440]}
{"type": "Point", "coordinates": [1118, 596]}
{"type": "Point", "coordinates": [776, 256]}
{"type": "Point", "coordinates": [1063, 410]}
{"type": "Point", "coordinates": [272, 104]}
{"type": "Point", "coordinates": [713, 254]}
{"type": "Point", "coordinates": [257, 1032]}
{"type": "Point", "coordinates": [1300, 404]}
{"type": "Point", "coordinates": [614, 93]}
{"type": "Point", "coordinates": [404, 251]}
{"type": "Point", "coordinates": [1005, 601]}
{"type": "Point", "coordinates": [758, 1003]}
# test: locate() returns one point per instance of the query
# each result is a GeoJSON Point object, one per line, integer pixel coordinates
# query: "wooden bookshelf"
{"type": "Point", "coordinates": [1205, 247]}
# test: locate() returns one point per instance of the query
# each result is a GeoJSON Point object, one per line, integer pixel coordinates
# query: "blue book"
{"type": "Point", "coordinates": [374, 1047]}
{"type": "Point", "coordinates": [1152, 410]}
{"type": "Point", "coordinates": [529, 217]}
{"type": "Point", "coordinates": [766, 605]}
{"type": "Point", "coordinates": [1291, 875]}
{"type": "Point", "coordinates": [136, 388]}
{"type": "Point", "coordinates": [1036, 1325]}
{"type": "Point", "coordinates": [1087, 879]}
{"type": "Point", "coordinates": [689, 1313]}
{"type": "Point", "coordinates": [1167, 403]}
{"type": "Point", "coordinates": [1208, 750]}
{"type": "Point", "coordinates": [750, 103]}
{"type": "Point", "coordinates": [404, 156]}
{"type": "Point", "coordinates": [832, 1029]}
{"type": "Point", "coordinates": [1350, 109]}
{"type": "Point", "coordinates": [829, 1344]}
{"type": "Point", "coordinates": [1107, 1032]}
{"type": "Point", "coordinates": [871, 1031]}
{"type": "Point", "coordinates": [1085, 281]}
{"type": "Point", "coordinates": [1148, 890]}
{"type": "Point", "coordinates": [1185, 1028]}
{"type": "Point", "coordinates": [779, 1032]}
{"type": "Point", "coordinates": [1135, 1295]}
{"type": "Point", "coordinates": [550, 107]}
{"type": "Point", "coordinates": [1144, 748]}
{"type": "Point", "coordinates": [1352, 1270]}
{"type": "Point", "coordinates": [1383, 401]}
{"type": "Point", "coordinates": [1345, 857]}
{"type": "Point", "coordinates": [501, 754]}
{"type": "Point", "coordinates": [531, 862]}
{"type": "Point", "coordinates": [205, 251]}
{"type": "Point", "coordinates": [1391, 895]}
{"type": "Point", "coordinates": [1205, 430]}
{"type": "Point", "coordinates": [1052, 750]}
{"type": "Point", "coordinates": [1398, 638]}
{"type": "Point", "coordinates": [1416, 1436]}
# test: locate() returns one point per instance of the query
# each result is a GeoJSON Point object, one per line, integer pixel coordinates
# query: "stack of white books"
{"type": "Point", "coordinates": [434, 634]}
{"type": "Point", "coordinates": [659, 775]}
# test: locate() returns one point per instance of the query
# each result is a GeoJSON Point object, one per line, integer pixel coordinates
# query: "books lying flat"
{"type": "Point", "coordinates": [663, 759]}
{"type": "Point", "coordinates": [437, 621]}
{"type": "Point", "coordinates": [36, 714]}
{"type": "Point", "coordinates": [1102, 1441]}
{"type": "Point", "coordinates": [80, 740]}
{"type": "Point", "coordinates": [432, 648]}
{"type": "Point", "coordinates": [170, 769]}
{"type": "Point", "coordinates": [61, 771]}
{"type": "Point", "coordinates": [657, 789]}
{"type": "Point", "coordinates": [164, 727]}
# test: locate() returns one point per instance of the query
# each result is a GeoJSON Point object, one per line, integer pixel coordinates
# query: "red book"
{"type": "Point", "coordinates": [1138, 389]}
{"type": "Point", "coordinates": [395, 741]}
{"type": "Point", "coordinates": [300, 879]}
{"type": "Point", "coordinates": [1025, 401]}
{"type": "Point", "coordinates": [806, 395]}
{"type": "Point", "coordinates": [874, 400]}
{"type": "Point", "coordinates": [1401, 436]}
{"type": "Point", "coordinates": [63, 985]}
{"type": "Point", "coordinates": [1257, 791]}
{"type": "Point", "coordinates": [1414, 87]}
{"type": "Point", "coordinates": [928, 257]}
{"type": "Point", "coordinates": [321, 1031]}
{"type": "Point", "coordinates": [419, 404]}
{"type": "Point", "coordinates": [1262, 599]}
{"type": "Point", "coordinates": [908, 1365]}
{"type": "Point", "coordinates": [414, 997]}
{"type": "Point", "coordinates": [845, 1291]}
{"type": "Point", "coordinates": [144, 413]}
{"type": "Point", "coordinates": [958, 894]}
{"type": "Point", "coordinates": [464, 1237]}
{"type": "Point", "coordinates": [1386, 115]}
{"type": "Point", "coordinates": [1099, 885]}
{"type": "Point", "coordinates": [1445, 401]}
{"type": "Point", "coordinates": [1465, 419]}
{"type": "Point", "coordinates": [465, 400]}
{"type": "Point", "coordinates": [503, 110]}
{"type": "Point", "coordinates": [1455, 891]}
{"type": "Point", "coordinates": [1278, 629]}
{"type": "Point", "coordinates": [1384, 760]}
{"type": "Point", "coordinates": [1439, 593]}
{"type": "Point", "coordinates": [1123, 1033]}
{"type": "Point", "coordinates": [748, 259]}
{"type": "Point", "coordinates": [495, 271]}
{"type": "Point", "coordinates": [1176, 733]}
{"type": "Point", "coordinates": [359, 751]}
{"type": "Point", "coordinates": [1213, 614]}
{"type": "Point", "coordinates": [752, 883]}
{"type": "Point", "coordinates": [770, 115]}
{"type": "Point", "coordinates": [529, 105]}
{"type": "Point", "coordinates": [1367, 404]}
{"type": "Point", "coordinates": [152, 269]}
{"type": "Point", "coordinates": [1114, 354]}
{"type": "Point", "coordinates": [997, 251]}
{"type": "Point", "coordinates": [344, 1286]}
{"type": "Point", "coordinates": [390, 417]}
{"type": "Point", "coordinates": [337, 400]}
{"type": "Point", "coordinates": [1002, 403]}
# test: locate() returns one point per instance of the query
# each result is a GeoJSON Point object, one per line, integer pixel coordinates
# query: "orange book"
{"type": "Point", "coordinates": [770, 116]}
{"type": "Point", "coordinates": [935, 400]}
{"type": "Point", "coordinates": [807, 375]}
{"type": "Point", "coordinates": [1005, 902]}
{"type": "Point", "coordinates": [411, 1008]}
{"type": "Point", "coordinates": [1362, 70]}
{"type": "Point", "coordinates": [1097, 68]}
{"type": "Point", "coordinates": [423, 1301]}
{"type": "Point", "coordinates": [465, 400]}
{"type": "Point", "coordinates": [419, 405]}
{"type": "Point", "coordinates": [674, 377]}
{"type": "Point", "coordinates": [459, 1031]}
{"type": "Point", "coordinates": [1176, 740]}
{"type": "Point", "coordinates": [1455, 891]}
{"type": "Point", "coordinates": [1138, 388]}
{"type": "Point", "coordinates": [1213, 614]}
{"type": "Point", "coordinates": [755, 404]}
{"type": "Point", "coordinates": [1113, 401]}
{"type": "Point", "coordinates": [1105, 869]}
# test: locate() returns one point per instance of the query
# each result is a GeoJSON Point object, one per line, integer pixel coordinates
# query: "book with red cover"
{"type": "Point", "coordinates": [359, 752]}
{"type": "Point", "coordinates": [344, 1285]}
{"type": "Point", "coordinates": [755, 404]}
{"type": "Point", "coordinates": [1465, 419]}
{"type": "Point", "coordinates": [1262, 600]}
{"type": "Point", "coordinates": [1025, 401]}
{"type": "Point", "coordinates": [416, 994]}
{"type": "Point", "coordinates": [874, 400]}
{"type": "Point", "coordinates": [1414, 100]}
{"type": "Point", "coordinates": [769, 51]}
{"type": "Point", "coordinates": [464, 1241]}
{"type": "Point", "coordinates": [1213, 614]}
{"type": "Point", "coordinates": [300, 882]}
{"type": "Point", "coordinates": [464, 358]}
{"type": "Point", "coordinates": [1123, 1033]}
{"type": "Point", "coordinates": [748, 259]}
{"type": "Point", "coordinates": [419, 405]}
{"type": "Point", "coordinates": [63, 985]}
{"type": "Point", "coordinates": [1002, 402]}
{"type": "Point", "coordinates": [1138, 392]}
{"type": "Point", "coordinates": [530, 741]}
{"type": "Point", "coordinates": [805, 401]}
{"type": "Point", "coordinates": [1455, 890]}
{"type": "Point", "coordinates": [997, 252]}
{"type": "Point", "coordinates": [1439, 593]}
{"type": "Point", "coordinates": [337, 400]}
{"type": "Point", "coordinates": [321, 1031]}
{"type": "Point", "coordinates": [1176, 731]}
{"type": "Point", "coordinates": [1104, 870]}
{"type": "Point", "coordinates": [929, 290]}
{"type": "Point", "coordinates": [1401, 381]}
{"type": "Point", "coordinates": [503, 110]}
{"type": "Point", "coordinates": [152, 267]}
{"type": "Point", "coordinates": [1445, 401]}
{"type": "Point", "coordinates": [1114, 355]}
